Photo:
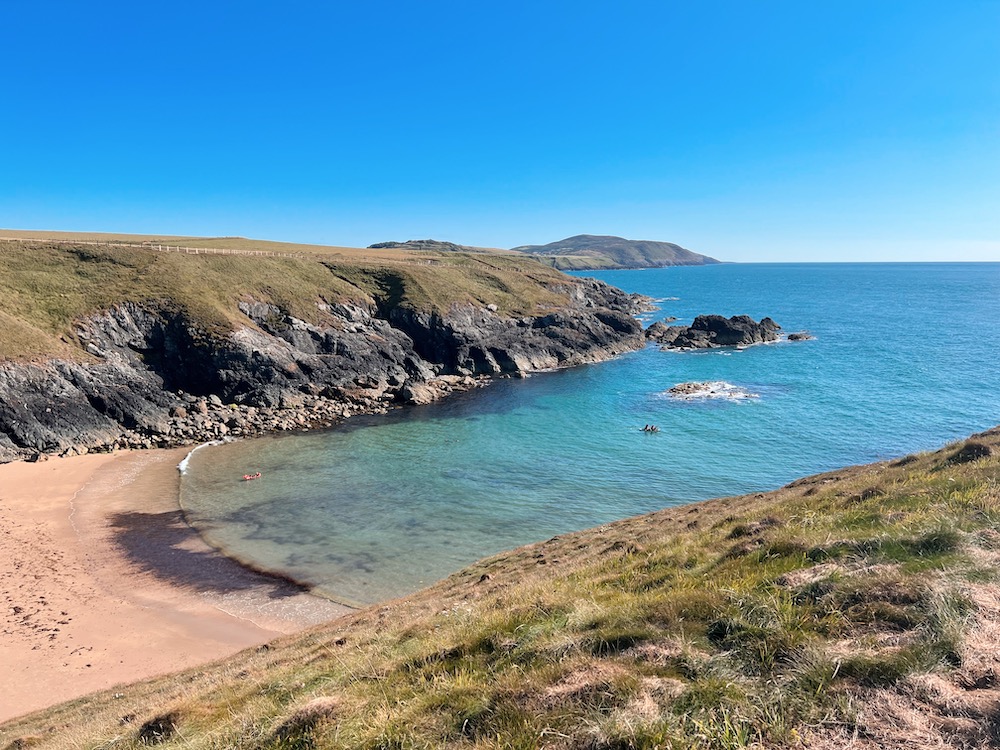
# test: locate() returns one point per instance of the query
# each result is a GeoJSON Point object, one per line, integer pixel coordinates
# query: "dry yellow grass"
{"type": "Point", "coordinates": [46, 286]}
{"type": "Point", "coordinates": [229, 243]}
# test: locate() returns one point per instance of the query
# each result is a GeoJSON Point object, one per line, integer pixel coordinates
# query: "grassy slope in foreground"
{"type": "Point", "coordinates": [859, 604]}
{"type": "Point", "coordinates": [46, 286]}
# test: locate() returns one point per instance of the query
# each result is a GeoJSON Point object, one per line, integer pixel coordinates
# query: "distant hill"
{"type": "Point", "coordinates": [590, 251]}
{"type": "Point", "coordinates": [431, 245]}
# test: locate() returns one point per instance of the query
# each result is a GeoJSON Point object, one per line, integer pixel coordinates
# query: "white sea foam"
{"type": "Point", "coordinates": [182, 467]}
{"type": "Point", "coordinates": [715, 389]}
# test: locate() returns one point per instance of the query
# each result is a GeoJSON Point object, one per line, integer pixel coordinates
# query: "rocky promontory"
{"type": "Point", "coordinates": [709, 331]}
{"type": "Point", "coordinates": [150, 373]}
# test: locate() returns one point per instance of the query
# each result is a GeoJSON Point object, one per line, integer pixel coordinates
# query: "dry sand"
{"type": "Point", "coordinates": [102, 582]}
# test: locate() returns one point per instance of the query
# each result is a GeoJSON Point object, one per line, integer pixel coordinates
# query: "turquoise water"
{"type": "Point", "coordinates": [905, 358]}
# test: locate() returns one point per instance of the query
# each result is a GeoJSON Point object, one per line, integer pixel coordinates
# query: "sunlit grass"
{"type": "Point", "coordinates": [47, 288]}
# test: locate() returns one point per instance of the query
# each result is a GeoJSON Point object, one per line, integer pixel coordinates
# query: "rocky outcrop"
{"type": "Point", "coordinates": [713, 389]}
{"type": "Point", "coordinates": [478, 341]}
{"type": "Point", "coordinates": [154, 378]}
{"type": "Point", "coordinates": [708, 331]}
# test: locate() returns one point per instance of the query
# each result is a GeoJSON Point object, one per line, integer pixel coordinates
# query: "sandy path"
{"type": "Point", "coordinates": [102, 582]}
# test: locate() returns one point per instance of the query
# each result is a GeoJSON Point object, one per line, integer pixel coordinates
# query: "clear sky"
{"type": "Point", "coordinates": [750, 131]}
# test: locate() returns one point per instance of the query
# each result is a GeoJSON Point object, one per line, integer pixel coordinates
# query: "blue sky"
{"type": "Point", "coordinates": [750, 131]}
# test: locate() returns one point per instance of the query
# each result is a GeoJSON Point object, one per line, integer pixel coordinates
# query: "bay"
{"type": "Point", "coordinates": [904, 359]}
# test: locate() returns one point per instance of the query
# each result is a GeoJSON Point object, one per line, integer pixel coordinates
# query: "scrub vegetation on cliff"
{"type": "Point", "coordinates": [858, 607]}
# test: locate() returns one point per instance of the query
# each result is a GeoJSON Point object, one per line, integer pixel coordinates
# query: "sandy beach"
{"type": "Point", "coordinates": [103, 582]}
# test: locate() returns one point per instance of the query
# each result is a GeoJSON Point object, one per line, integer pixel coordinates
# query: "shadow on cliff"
{"type": "Point", "coordinates": [164, 545]}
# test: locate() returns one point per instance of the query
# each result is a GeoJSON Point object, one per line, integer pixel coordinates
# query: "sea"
{"type": "Point", "coordinates": [904, 358]}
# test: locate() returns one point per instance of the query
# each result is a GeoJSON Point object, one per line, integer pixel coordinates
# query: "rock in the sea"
{"type": "Point", "coordinates": [660, 331]}
{"type": "Point", "coordinates": [800, 336]}
{"type": "Point", "coordinates": [708, 331]}
{"type": "Point", "coordinates": [710, 389]}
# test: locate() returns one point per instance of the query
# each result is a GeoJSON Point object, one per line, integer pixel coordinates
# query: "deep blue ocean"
{"type": "Point", "coordinates": [905, 358]}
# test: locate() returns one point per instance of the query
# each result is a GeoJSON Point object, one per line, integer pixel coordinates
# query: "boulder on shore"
{"type": "Point", "coordinates": [709, 331]}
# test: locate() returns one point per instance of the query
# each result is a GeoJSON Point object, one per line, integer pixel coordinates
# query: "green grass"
{"type": "Point", "coordinates": [46, 288]}
{"type": "Point", "coordinates": [743, 622]}
{"type": "Point", "coordinates": [579, 262]}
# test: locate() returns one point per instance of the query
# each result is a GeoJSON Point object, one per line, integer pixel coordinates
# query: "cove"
{"type": "Point", "coordinates": [902, 361]}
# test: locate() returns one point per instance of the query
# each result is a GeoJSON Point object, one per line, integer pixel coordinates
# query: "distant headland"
{"type": "Point", "coordinates": [582, 252]}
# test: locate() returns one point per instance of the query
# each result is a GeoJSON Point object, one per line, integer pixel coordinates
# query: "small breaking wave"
{"type": "Point", "coordinates": [715, 389]}
{"type": "Point", "coordinates": [182, 467]}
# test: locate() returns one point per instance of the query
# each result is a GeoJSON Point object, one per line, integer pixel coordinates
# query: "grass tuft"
{"type": "Point", "coordinates": [296, 731]}
{"type": "Point", "coordinates": [159, 729]}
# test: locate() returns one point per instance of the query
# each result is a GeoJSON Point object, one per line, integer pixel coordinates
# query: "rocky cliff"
{"type": "Point", "coordinates": [153, 376]}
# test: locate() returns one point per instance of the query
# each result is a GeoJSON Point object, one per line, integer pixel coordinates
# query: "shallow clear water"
{"type": "Point", "coordinates": [904, 359]}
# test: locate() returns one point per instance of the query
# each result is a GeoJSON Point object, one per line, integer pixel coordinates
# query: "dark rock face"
{"type": "Point", "coordinates": [708, 331]}
{"type": "Point", "coordinates": [478, 341]}
{"type": "Point", "coordinates": [155, 379]}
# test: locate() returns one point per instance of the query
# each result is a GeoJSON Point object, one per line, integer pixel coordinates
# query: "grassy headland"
{"type": "Point", "coordinates": [46, 286]}
{"type": "Point", "coordinates": [859, 605]}
{"type": "Point", "coordinates": [126, 341]}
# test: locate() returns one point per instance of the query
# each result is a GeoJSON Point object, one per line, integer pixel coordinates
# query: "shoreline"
{"type": "Point", "coordinates": [90, 604]}
{"type": "Point", "coordinates": [105, 583]}
{"type": "Point", "coordinates": [279, 578]}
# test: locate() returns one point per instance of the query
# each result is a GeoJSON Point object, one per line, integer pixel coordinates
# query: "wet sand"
{"type": "Point", "coordinates": [103, 583]}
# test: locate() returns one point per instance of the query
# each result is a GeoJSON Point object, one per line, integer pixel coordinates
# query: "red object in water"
{"type": "Point", "coordinates": [251, 476]}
